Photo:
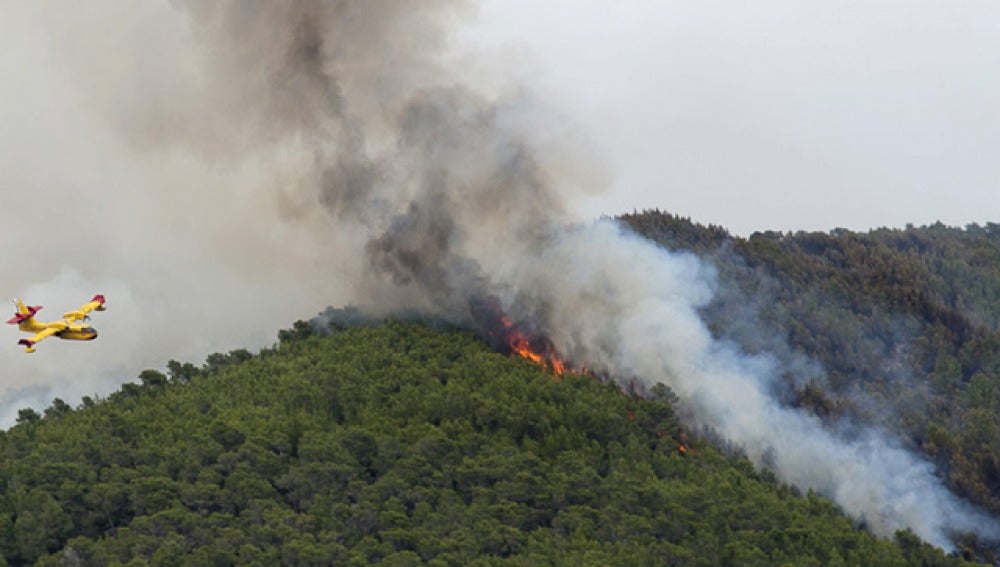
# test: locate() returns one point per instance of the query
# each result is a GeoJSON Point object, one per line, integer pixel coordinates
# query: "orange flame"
{"type": "Point", "coordinates": [510, 338]}
{"type": "Point", "coordinates": [521, 345]}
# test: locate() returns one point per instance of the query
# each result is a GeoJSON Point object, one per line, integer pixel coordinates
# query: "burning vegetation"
{"type": "Point", "coordinates": [509, 338]}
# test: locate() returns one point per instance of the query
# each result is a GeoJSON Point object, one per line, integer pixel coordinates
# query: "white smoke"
{"type": "Point", "coordinates": [619, 302]}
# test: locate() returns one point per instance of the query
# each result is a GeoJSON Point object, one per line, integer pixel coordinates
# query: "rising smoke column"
{"type": "Point", "coordinates": [357, 144]}
{"type": "Point", "coordinates": [417, 173]}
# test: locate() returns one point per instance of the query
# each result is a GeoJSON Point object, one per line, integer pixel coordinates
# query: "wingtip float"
{"type": "Point", "coordinates": [73, 326]}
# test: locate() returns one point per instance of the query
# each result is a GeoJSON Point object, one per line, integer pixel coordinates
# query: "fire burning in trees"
{"type": "Point", "coordinates": [540, 350]}
{"type": "Point", "coordinates": [509, 338]}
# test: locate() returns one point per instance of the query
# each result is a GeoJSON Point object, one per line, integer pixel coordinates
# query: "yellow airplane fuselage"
{"type": "Point", "coordinates": [79, 333]}
{"type": "Point", "coordinates": [65, 331]}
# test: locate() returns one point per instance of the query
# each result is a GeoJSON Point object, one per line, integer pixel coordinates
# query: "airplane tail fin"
{"type": "Point", "coordinates": [23, 313]}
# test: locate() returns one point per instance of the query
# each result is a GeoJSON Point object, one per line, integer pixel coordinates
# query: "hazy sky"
{"type": "Point", "coordinates": [784, 114]}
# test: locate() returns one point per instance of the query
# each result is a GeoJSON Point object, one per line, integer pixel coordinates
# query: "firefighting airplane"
{"type": "Point", "coordinates": [68, 328]}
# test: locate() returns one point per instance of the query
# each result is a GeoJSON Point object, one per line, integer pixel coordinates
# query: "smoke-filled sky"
{"type": "Point", "coordinates": [219, 170]}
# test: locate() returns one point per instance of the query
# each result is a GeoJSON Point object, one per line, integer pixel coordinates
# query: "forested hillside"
{"type": "Point", "coordinates": [905, 325]}
{"type": "Point", "coordinates": [397, 444]}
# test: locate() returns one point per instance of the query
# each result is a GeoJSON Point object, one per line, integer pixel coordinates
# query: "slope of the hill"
{"type": "Point", "coordinates": [396, 444]}
{"type": "Point", "coordinates": [905, 323]}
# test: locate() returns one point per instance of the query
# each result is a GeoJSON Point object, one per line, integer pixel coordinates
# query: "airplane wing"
{"type": "Point", "coordinates": [29, 343]}
{"type": "Point", "coordinates": [97, 303]}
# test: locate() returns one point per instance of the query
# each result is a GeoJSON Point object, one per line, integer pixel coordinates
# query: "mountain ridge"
{"type": "Point", "coordinates": [903, 322]}
{"type": "Point", "coordinates": [398, 444]}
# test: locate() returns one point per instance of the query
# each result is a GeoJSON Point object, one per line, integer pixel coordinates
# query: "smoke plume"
{"type": "Point", "coordinates": [221, 169]}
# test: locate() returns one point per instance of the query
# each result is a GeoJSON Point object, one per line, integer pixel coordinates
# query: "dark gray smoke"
{"type": "Point", "coordinates": [429, 174]}
{"type": "Point", "coordinates": [271, 157]}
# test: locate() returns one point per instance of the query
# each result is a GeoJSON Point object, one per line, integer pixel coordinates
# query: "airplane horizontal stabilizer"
{"type": "Point", "coordinates": [19, 317]}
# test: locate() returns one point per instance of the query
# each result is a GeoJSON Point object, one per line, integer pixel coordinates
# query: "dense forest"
{"type": "Point", "coordinates": [905, 325]}
{"type": "Point", "coordinates": [399, 443]}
